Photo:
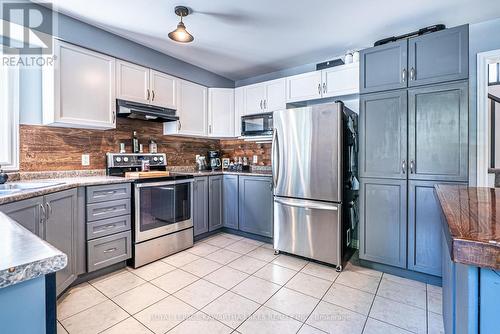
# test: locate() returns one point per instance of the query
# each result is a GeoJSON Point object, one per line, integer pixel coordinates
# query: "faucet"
{"type": "Point", "coordinates": [3, 176]}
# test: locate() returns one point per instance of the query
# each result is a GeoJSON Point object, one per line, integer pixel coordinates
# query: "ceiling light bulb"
{"type": "Point", "coordinates": [180, 34]}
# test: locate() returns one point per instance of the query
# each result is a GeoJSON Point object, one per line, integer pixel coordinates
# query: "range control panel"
{"type": "Point", "coordinates": [135, 159]}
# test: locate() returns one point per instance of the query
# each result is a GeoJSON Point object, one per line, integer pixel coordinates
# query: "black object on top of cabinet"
{"type": "Point", "coordinates": [431, 58]}
{"type": "Point", "coordinates": [419, 32]}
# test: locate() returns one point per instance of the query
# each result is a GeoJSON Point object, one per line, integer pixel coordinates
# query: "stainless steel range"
{"type": "Point", "coordinates": [162, 209]}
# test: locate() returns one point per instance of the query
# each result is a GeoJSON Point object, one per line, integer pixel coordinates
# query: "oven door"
{"type": "Point", "coordinates": [162, 208]}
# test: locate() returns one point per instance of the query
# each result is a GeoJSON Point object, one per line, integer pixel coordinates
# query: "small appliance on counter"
{"type": "Point", "coordinates": [214, 159]}
{"type": "Point", "coordinates": [201, 163]}
{"type": "Point", "coordinates": [162, 213]}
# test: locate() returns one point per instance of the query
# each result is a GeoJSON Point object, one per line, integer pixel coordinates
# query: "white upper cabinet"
{"type": "Point", "coordinates": [239, 109]}
{"type": "Point", "coordinates": [132, 82]}
{"type": "Point", "coordinates": [302, 87]}
{"type": "Point", "coordinates": [140, 84]}
{"type": "Point", "coordinates": [192, 111]}
{"type": "Point", "coordinates": [263, 97]}
{"type": "Point", "coordinates": [254, 99]}
{"type": "Point", "coordinates": [340, 80]}
{"type": "Point", "coordinates": [276, 95]}
{"type": "Point", "coordinates": [163, 90]}
{"type": "Point", "coordinates": [79, 91]}
{"type": "Point", "coordinates": [221, 112]}
{"type": "Point", "coordinates": [335, 81]}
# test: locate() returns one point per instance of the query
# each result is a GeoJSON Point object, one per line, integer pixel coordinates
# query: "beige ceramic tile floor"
{"type": "Point", "coordinates": [229, 284]}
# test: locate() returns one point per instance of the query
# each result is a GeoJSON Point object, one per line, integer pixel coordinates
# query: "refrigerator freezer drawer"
{"type": "Point", "coordinates": [308, 228]}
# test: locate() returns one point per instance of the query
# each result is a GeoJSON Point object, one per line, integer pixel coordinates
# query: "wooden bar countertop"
{"type": "Point", "coordinates": [471, 224]}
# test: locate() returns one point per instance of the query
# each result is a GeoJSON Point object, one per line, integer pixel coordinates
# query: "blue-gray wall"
{"type": "Point", "coordinates": [85, 35]}
{"type": "Point", "coordinates": [483, 36]}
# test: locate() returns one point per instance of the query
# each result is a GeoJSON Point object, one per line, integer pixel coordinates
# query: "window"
{"type": "Point", "coordinates": [9, 117]}
{"type": "Point", "coordinates": [494, 74]}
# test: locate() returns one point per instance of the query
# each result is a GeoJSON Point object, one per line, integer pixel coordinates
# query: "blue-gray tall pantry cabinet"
{"type": "Point", "coordinates": [413, 135]}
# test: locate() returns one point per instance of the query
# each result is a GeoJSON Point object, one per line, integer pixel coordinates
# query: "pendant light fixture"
{"type": "Point", "coordinates": [180, 34]}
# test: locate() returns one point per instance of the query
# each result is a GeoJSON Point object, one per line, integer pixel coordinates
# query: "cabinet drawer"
{"type": "Point", "coordinates": [109, 192]}
{"type": "Point", "coordinates": [104, 227]}
{"type": "Point", "coordinates": [109, 209]}
{"type": "Point", "coordinates": [105, 251]}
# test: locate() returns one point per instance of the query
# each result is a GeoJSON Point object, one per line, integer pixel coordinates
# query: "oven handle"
{"type": "Point", "coordinates": [164, 183]}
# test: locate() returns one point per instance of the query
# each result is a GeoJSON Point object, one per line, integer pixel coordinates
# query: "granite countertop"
{"type": "Point", "coordinates": [219, 172]}
{"type": "Point", "coordinates": [60, 184]}
{"type": "Point", "coordinates": [472, 227]}
{"type": "Point", "coordinates": [23, 255]}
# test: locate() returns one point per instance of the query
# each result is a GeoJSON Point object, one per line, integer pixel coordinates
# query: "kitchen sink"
{"type": "Point", "coordinates": [10, 188]}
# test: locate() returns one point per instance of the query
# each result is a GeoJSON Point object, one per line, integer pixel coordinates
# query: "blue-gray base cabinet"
{"type": "Point", "coordinates": [256, 205]}
{"type": "Point", "coordinates": [108, 225]}
{"type": "Point", "coordinates": [54, 218]}
{"type": "Point", "coordinates": [382, 225]}
{"type": "Point", "coordinates": [215, 202]}
{"type": "Point", "coordinates": [239, 203]}
{"type": "Point", "coordinates": [471, 297]}
{"type": "Point", "coordinates": [200, 205]}
{"type": "Point", "coordinates": [230, 203]}
{"type": "Point", "coordinates": [424, 227]}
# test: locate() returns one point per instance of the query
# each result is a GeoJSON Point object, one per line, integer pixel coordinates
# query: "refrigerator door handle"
{"type": "Point", "coordinates": [306, 204]}
{"type": "Point", "coordinates": [275, 162]}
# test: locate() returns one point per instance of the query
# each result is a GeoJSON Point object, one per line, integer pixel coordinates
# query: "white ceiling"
{"type": "Point", "coordinates": [239, 39]}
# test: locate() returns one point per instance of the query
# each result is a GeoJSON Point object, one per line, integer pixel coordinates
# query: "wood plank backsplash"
{"type": "Point", "coordinates": [47, 148]}
{"type": "Point", "coordinates": [239, 148]}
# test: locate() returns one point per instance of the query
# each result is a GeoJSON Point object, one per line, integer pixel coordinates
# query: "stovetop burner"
{"type": "Point", "coordinates": [120, 163]}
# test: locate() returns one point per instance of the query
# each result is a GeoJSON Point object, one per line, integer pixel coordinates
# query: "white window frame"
{"type": "Point", "coordinates": [9, 117]}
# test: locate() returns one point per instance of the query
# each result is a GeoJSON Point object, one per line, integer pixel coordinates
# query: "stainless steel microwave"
{"type": "Point", "coordinates": [257, 125]}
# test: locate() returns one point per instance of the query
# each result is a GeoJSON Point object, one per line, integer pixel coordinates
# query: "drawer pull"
{"type": "Point", "coordinates": [114, 208]}
{"type": "Point", "coordinates": [105, 193]}
{"type": "Point", "coordinates": [107, 227]}
{"type": "Point", "coordinates": [110, 250]}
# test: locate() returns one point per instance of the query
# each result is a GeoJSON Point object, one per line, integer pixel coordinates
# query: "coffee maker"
{"type": "Point", "coordinates": [214, 160]}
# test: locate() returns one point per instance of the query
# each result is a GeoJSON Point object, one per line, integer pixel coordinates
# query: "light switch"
{"type": "Point", "coordinates": [255, 159]}
{"type": "Point", "coordinates": [85, 160]}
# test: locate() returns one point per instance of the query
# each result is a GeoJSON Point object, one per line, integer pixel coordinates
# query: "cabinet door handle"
{"type": "Point", "coordinates": [261, 104]}
{"type": "Point", "coordinates": [319, 89]}
{"type": "Point", "coordinates": [403, 166]}
{"type": "Point", "coordinates": [41, 232]}
{"type": "Point", "coordinates": [153, 97]}
{"type": "Point", "coordinates": [114, 116]}
{"type": "Point", "coordinates": [412, 74]}
{"type": "Point", "coordinates": [110, 250]}
{"type": "Point", "coordinates": [147, 90]}
{"type": "Point", "coordinates": [49, 209]}
{"type": "Point", "coordinates": [403, 75]}
{"type": "Point", "coordinates": [180, 125]}
{"type": "Point", "coordinates": [265, 106]}
{"type": "Point", "coordinates": [412, 166]}
{"type": "Point", "coordinates": [210, 128]}
{"type": "Point", "coordinates": [324, 87]}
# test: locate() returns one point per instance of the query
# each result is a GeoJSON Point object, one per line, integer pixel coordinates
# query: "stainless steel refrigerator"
{"type": "Point", "coordinates": [313, 180]}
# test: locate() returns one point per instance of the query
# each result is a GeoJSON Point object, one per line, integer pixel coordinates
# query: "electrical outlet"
{"type": "Point", "coordinates": [85, 160]}
{"type": "Point", "coordinates": [255, 159]}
